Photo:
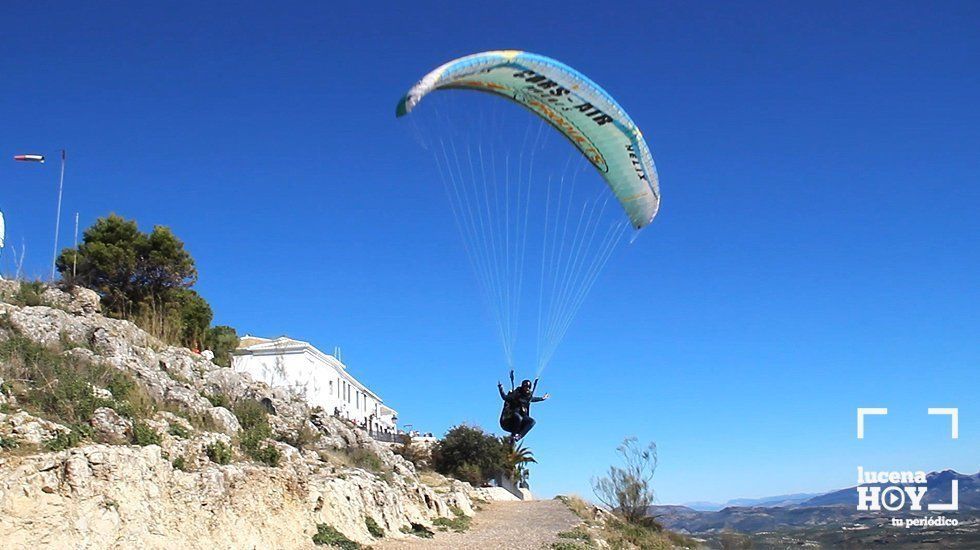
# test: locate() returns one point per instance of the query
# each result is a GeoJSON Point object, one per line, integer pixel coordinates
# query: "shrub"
{"type": "Point", "coordinates": [365, 459]}
{"type": "Point", "coordinates": [218, 452]}
{"type": "Point", "coordinates": [326, 534]}
{"type": "Point", "coordinates": [29, 294]}
{"type": "Point", "coordinates": [624, 534]}
{"type": "Point", "coordinates": [178, 430]}
{"type": "Point", "coordinates": [219, 400]}
{"type": "Point", "coordinates": [251, 414]}
{"type": "Point", "coordinates": [180, 464]}
{"type": "Point", "coordinates": [64, 440]}
{"type": "Point", "coordinates": [254, 419]}
{"type": "Point", "coordinates": [268, 455]}
{"type": "Point", "coordinates": [61, 388]}
{"type": "Point", "coordinates": [144, 435]}
{"type": "Point", "coordinates": [458, 524]}
{"type": "Point", "coordinates": [627, 491]}
{"type": "Point", "coordinates": [7, 444]}
{"type": "Point", "coordinates": [373, 528]}
{"type": "Point", "coordinates": [577, 534]}
{"type": "Point", "coordinates": [304, 438]}
{"type": "Point", "coordinates": [222, 340]}
{"type": "Point", "coordinates": [577, 505]}
{"type": "Point", "coordinates": [469, 454]}
{"type": "Point", "coordinates": [418, 530]}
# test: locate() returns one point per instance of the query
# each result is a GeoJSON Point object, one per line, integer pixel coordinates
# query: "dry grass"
{"type": "Point", "coordinates": [433, 479]}
{"type": "Point", "coordinates": [617, 533]}
{"type": "Point", "coordinates": [578, 506]}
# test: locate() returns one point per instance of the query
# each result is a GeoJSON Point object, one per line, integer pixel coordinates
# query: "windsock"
{"type": "Point", "coordinates": [29, 158]}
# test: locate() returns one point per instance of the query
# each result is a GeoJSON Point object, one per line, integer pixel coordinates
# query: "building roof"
{"type": "Point", "coordinates": [255, 345]}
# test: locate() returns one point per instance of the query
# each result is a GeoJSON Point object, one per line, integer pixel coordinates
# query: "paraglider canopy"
{"type": "Point", "coordinates": [521, 212]}
{"type": "Point", "coordinates": [573, 104]}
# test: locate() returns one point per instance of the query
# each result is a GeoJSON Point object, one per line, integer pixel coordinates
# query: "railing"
{"type": "Point", "coordinates": [387, 437]}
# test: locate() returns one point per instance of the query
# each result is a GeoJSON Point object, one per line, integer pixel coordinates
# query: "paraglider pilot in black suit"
{"type": "Point", "coordinates": [516, 418]}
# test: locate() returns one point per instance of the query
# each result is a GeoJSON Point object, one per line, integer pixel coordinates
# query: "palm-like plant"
{"type": "Point", "coordinates": [516, 460]}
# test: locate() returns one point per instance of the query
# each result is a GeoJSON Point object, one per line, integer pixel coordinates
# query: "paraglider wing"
{"type": "Point", "coordinates": [574, 105]}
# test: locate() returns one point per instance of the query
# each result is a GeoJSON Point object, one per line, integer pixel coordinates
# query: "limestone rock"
{"type": "Point", "coordinates": [224, 420]}
{"type": "Point", "coordinates": [24, 427]}
{"type": "Point", "coordinates": [111, 427]}
{"type": "Point", "coordinates": [77, 300]}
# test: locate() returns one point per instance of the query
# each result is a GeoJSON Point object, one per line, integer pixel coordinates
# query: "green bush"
{"type": "Point", "coordinates": [180, 463]}
{"type": "Point", "coordinates": [63, 440]}
{"type": "Point", "coordinates": [373, 528]}
{"type": "Point", "coordinates": [219, 400]}
{"type": "Point", "coordinates": [458, 524]}
{"type": "Point", "coordinates": [418, 530]}
{"type": "Point", "coordinates": [327, 535]}
{"type": "Point", "coordinates": [144, 435]}
{"type": "Point", "coordinates": [222, 340]}
{"type": "Point", "coordinates": [178, 430]}
{"type": "Point", "coordinates": [578, 534]}
{"type": "Point", "coordinates": [251, 414]}
{"type": "Point", "coordinates": [254, 419]}
{"type": "Point", "coordinates": [365, 459]}
{"type": "Point", "coordinates": [29, 294]}
{"type": "Point", "coordinates": [58, 387]}
{"type": "Point", "coordinates": [7, 444]}
{"type": "Point", "coordinates": [218, 452]}
{"type": "Point", "coordinates": [268, 455]}
{"type": "Point", "coordinates": [469, 454]}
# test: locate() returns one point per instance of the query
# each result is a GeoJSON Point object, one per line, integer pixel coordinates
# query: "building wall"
{"type": "Point", "coordinates": [321, 384]}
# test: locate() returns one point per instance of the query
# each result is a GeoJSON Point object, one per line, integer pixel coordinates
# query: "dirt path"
{"type": "Point", "coordinates": [531, 525]}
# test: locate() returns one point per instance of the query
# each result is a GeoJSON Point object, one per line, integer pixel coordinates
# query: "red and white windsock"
{"type": "Point", "coordinates": [29, 158]}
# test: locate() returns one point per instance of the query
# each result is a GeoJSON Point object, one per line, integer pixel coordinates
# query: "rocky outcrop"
{"type": "Point", "coordinates": [197, 488]}
{"type": "Point", "coordinates": [103, 496]}
{"type": "Point", "coordinates": [25, 428]}
{"type": "Point", "coordinates": [109, 426]}
{"type": "Point", "coordinates": [76, 300]}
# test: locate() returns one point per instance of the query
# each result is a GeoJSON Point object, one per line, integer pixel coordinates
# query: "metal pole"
{"type": "Point", "coordinates": [74, 261]}
{"type": "Point", "coordinates": [57, 219]}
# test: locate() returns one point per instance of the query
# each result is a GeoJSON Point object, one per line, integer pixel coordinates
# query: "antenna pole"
{"type": "Point", "coordinates": [57, 219]}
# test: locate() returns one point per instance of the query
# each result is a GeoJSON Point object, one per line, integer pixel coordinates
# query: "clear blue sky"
{"type": "Point", "coordinates": [818, 247]}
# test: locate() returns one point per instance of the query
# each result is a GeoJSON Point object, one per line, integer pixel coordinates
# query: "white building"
{"type": "Point", "coordinates": [319, 378]}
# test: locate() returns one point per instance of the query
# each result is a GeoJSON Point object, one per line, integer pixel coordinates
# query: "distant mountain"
{"type": "Point", "coordinates": [837, 508]}
{"type": "Point", "coordinates": [778, 500]}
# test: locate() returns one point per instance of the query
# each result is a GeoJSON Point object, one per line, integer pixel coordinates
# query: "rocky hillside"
{"type": "Point", "coordinates": [110, 438]}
